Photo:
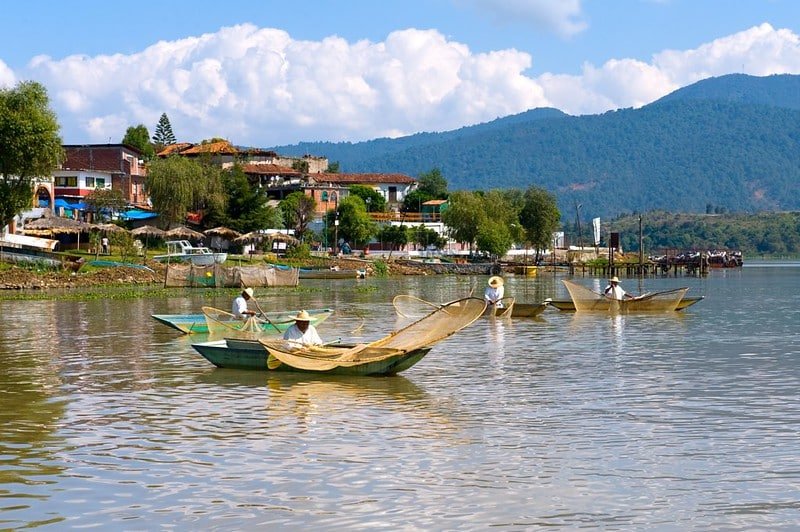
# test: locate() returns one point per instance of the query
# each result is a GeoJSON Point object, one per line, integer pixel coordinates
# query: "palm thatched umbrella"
{"type": "Point", "coordinates": [54, 225]}
{"type": "Point", "coordinates": [184, 233]}
{"type": "Point", "coordinates": [223, 232]}
{"type": "Point", "coordinates": [110, 228]}
{"type": "Point", "coordinates": [148, 230]}
{"type": "Point", "coordinates": [221, 236]}
{"type": "Point", "coordinates": [255, 237]}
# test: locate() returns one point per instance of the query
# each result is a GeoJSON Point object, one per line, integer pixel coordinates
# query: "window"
{"type": "Point", "coordinates": [67, 181]}
{"type": "Point", "coordinates": [95, 182]}
{"type": "Point", "coordinates": [324, 195]}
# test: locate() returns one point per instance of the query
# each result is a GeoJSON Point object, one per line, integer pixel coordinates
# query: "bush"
{"type": "Point", "coordinates": [381, 268]}
{"type": "Point", "coordinates": [300, 251]}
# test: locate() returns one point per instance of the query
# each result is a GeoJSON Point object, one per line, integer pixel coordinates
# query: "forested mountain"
{"type": "Point", "coordinates": [728, 144]}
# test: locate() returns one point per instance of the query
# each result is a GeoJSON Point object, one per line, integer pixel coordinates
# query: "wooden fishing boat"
{"type": "Point", "coordinates": [566, 305]}
{"type": "Point", "coordinates": [389, 355]}
{"type": "Point", "coordinates": [588, 300]}
{"type": "Point", "coordinates": [183, 251]}
{"type": "Point", "coordinates": [197, 323]}
{"type": "Point", "coordinates": [527, 310]}
{"type": "Point", "coordinates": [253, 355]}
{"type": "Point", "coordinates": [506, 310]}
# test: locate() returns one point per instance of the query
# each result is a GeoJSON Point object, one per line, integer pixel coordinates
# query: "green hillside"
{"type": "Point", "coordinates": [729, 144]}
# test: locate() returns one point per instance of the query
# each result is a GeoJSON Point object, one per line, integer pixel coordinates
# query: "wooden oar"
{"type": "Point", "coordinates": [264, 314]}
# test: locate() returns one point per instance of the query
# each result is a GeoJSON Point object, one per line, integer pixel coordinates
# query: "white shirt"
{"type": "Point", "coordinates": [615, 292]}
{"type": "Point", "coordinates": [239, 306]}
{"type": "Point", "coordinates": [492, 294]}
{"type": "Point", "coordinates": [295, 335]}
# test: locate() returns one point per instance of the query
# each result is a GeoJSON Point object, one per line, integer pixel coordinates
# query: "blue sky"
{"type": "Point", "coordinates": [266, 73]}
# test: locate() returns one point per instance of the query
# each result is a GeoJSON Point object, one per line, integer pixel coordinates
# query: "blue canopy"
{"type": "Point", "coordinates": [61, 202]}
{"type": "Point", "coordinates": [136, 214]}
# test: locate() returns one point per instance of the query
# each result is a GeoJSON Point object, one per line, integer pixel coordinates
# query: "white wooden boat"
{"type": "Point", "coordinates": [183, 251]}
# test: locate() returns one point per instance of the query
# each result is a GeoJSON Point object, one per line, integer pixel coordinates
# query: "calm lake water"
{"type": "Point", "coordinates": [670, 422]}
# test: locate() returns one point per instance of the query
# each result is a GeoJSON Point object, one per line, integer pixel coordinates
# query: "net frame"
{"type": "Point", "coordinates": [585, 299]}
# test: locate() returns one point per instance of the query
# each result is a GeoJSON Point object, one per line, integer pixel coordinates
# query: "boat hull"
{"type": "Point", "coordinates": [252, 355]}
{"type": "Point", "coordinates": [197, 323]}
{"type": "Point", "coordinates": [566, 305]}
{"type": "Point", "coordinates": [527, 310]}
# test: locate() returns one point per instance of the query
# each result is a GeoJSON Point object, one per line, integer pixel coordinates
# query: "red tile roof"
{"type": "Point", "coordinates": [363, 179]}
{"type": "Point", "coordinates": [222, 147]}
{"type": "Point", "coordinates": [175, 148]}
{"type": "Point", "coordinates": [269, 169]}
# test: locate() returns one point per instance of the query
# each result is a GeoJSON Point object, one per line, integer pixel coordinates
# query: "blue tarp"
{"type": "Point", "coordinates": [61, 202]}
{"type": "Point", "coordinates": [136, 214]}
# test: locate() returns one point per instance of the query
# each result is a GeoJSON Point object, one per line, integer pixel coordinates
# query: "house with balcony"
{"type": "Point", "coordinates": [90, 166]}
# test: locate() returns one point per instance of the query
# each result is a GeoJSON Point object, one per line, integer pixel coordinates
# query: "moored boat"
{"type": "Point", "coordinates": [586, 299]}
{"type": "Point", "coordinates": [183, 251]}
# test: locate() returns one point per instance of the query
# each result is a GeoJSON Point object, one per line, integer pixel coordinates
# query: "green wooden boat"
{"type": "Point", "coordinates": [252, 355]}
{"type": "Point", "coordinates": [197, 323]}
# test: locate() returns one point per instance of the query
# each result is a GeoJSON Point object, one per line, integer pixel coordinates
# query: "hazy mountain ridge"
{"type": "Point", "coordinates": [730, 143]}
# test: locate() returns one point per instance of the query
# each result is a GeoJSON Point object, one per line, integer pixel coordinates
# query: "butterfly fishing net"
{"type": "Point", "coordinates": [586, 299]}
{"type": "Point", "coordinates": [437, 325]}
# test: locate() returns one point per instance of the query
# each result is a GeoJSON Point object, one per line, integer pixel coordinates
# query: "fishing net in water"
{"type": "Point", "coordinates": [586, 299]}
{"type": "Point", "coordinates": [440, 323]}
{"type": "Point", "coordinates": [221, 322]}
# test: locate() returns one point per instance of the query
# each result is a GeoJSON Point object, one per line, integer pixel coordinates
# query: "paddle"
{"type": "Point", "coordinates": [264, 314]}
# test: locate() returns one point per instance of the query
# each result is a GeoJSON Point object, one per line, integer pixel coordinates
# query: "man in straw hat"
{"type": "Point", "coordinates": [615, 291]}
{"type": "Point", "coordinates": [240, 309]}
{"type": "Point", "coordinates": [302, 332]}
{"type": "Point", "coordinates": [494, 292]}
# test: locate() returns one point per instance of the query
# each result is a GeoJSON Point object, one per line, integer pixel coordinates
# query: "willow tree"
{"type": "Point", "coordinates": [172, 185]}
{"type": "Point", "coordinates": [29, 145]}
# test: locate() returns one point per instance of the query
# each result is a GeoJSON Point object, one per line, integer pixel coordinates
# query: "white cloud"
{"type": "Point", "coordinates": [7, 77]}
{"type": "Point", "coordinates": [563, 17]}
{"type": "Point", "coordinates": [258, 86]}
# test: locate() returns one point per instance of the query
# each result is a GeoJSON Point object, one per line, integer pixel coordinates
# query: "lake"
{"type": "Point", "coordinates": [680, 421]}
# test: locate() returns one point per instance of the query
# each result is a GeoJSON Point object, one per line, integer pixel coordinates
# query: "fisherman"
{"type": "Point", "coordinates": [494, 292]}
{"type": "Point", "coordinates": [302, 332]}
{"type": "Point", "coordinates": [240, 309]}
{"type": "Point", "coordinates": [615, 291]}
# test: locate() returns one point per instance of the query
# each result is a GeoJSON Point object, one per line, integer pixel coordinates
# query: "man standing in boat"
{"type": "Point", "coordinates": [240, 309]}
{"type": "Point", "coordinates": [615, 291]}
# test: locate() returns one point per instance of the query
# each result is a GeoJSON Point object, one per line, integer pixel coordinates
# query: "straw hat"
{"type": "Point", "coordinates": [248, 291]}
{"type": "Point", "coordinates": [614, 279]}
{"type": "Point", "coordinates": [495, 281]}
{"type": "Point", "coordinates": [302, 316]}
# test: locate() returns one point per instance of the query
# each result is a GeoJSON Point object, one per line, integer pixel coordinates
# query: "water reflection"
{"type": "Point", "coordinates": [111, 420]}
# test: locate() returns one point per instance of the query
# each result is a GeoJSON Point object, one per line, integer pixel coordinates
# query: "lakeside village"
{"type": "Point", "coordinates": [59, 220]}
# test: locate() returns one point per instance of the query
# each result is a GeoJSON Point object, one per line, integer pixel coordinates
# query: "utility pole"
{"type": "Point", "coordinates": [578, 218]}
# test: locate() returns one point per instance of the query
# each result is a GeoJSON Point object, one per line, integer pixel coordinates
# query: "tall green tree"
{"type": "Point", "coordinates": [298, 211]}
{"type": "Point", "coordinates": [172, 185]}
{"type": "Point", "coordinates": [355, 225]}
{"type": "Point", "coordinates": [163, 136]}
{"type": "Point", "coordinates": [29, 145]}
{"type": "Point", "coordinates": [139, 138]}
{"type": "Point", "coordinates": [102, 200]}
{"type": "Point", "coordinates": [397, 235]}
{"type": "Point", "coordinates": [540, 217]}
{"type": "Point", "coordinates": [464, 215]}
{"type": "Point", "coordinates": [247, 206]}
{"type": "Point", "coordinates": [372, 198]}
{"type": "Point", "coordinates": [433, 183]}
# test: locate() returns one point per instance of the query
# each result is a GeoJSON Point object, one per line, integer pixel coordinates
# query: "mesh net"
{"type": "Point", "coordinates": [586, 299]}
{"type": "Point", "coordinates": [440, 323]}
{"type": "Point", "coordinates": [260, 275]}
{"type": "Point", "coordinates": [221, 322]}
